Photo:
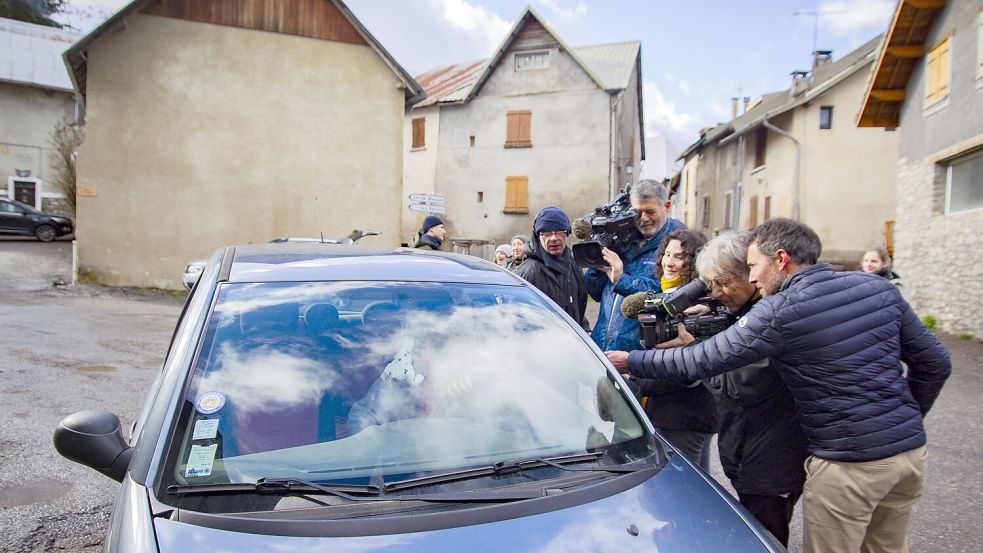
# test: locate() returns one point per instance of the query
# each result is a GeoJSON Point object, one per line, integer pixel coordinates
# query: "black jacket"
{"type": "Point", "coordinates": [838, 340]}
{"type": "Point", "coordinates": [678, 406]}
{"type": "Point", "coordinates": [564, 286]}
{"type": "Point", "coordinates": [760, 440]}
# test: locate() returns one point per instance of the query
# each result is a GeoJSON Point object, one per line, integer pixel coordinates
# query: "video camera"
{"type": "Point", "coordinates": [611, 226]}
{"type": "Point", "coordinates": [659, 319]}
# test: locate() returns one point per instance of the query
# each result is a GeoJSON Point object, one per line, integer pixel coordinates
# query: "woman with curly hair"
{"type": "Point", "coordinates": [682, 413]}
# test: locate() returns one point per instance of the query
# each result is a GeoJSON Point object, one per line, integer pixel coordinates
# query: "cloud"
{"type": "Point", "coordinates": [474, 19]}
{"type": "Point", "coordinates": [844, 18]}
{"type": "Point", "coordinates": [565, 10]}
{"type": "Point", "coordinates": [660, 113]}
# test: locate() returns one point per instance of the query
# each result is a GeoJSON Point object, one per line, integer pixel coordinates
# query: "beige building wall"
{"type": "Point", "coordinates": [28, 117]}
{"type": "Point", "coordinates": [848, 174]}
{"type": "Point", "coordinates": [202, 135]}
{"type": "Point", "coordinates": [419, 167]}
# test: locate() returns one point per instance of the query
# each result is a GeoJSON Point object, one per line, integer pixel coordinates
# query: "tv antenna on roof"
{"type": "Point", "coordinates": [317, 213]}
{"type": "Point", "coordinates": [815, 23]}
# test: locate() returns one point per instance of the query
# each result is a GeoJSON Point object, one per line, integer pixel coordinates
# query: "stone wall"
{"type": "Point", "coordinates": [937, 254]}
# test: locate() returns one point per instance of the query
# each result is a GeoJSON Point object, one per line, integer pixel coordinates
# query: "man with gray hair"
{"type": "Point", "coordinates": [838, 340]}
{"type": "Point", "coordinates": [634, 270]}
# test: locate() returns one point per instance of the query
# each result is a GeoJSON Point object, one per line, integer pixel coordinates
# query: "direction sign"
{"type": "Point", "coordinates": [431, 199]}
{"type": "Point", "coordinates": [427, 208]}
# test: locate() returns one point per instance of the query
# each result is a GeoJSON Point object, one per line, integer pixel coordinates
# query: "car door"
{"type": "Point", "coordinates": [13, 218]}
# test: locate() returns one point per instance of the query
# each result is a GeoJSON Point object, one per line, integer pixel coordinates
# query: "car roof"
{"type": "Point", "coordinates": [303, 262]}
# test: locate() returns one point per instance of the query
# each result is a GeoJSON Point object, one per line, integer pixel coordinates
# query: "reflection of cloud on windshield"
{"type": "Point", "coordinates": [265, 378]}
{"type": "Point", "coordinates": [601, 529]}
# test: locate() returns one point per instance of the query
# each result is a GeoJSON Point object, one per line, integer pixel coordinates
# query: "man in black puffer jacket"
{"type": "Point", "coordinates": [838, 340]}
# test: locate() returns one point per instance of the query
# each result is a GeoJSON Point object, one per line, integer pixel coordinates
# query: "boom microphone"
{"type": "Point", "coordinates": [581, 228]}
{"type": "Point", "coordinates": [633, 304]}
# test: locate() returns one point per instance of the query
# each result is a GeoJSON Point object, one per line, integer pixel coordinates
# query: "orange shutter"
{"type": "Point", "coordinates": [516, 194]}
{"type": "Point", "coordinates": [518, 130]}
{"type": "Point", "coordinates": [419, 132]}
{"type": "Point", "coordinates": [752, 213]}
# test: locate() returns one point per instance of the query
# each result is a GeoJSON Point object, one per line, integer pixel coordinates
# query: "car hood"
{"type": "Point", "coordinates": [673, 511]}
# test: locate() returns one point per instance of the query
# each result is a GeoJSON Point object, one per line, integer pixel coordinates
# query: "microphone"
{"type": "Point", "coordinates": [633, 304]}
{"type": "Point", "coordinates": [581, 228]}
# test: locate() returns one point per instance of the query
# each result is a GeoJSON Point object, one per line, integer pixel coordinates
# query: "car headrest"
{"type": "Point", "coordinates": [380, 314]}
{"type": "Point", "coordinates": [280, 318]}
{"type": "Point", "coordinates": [320, 318]}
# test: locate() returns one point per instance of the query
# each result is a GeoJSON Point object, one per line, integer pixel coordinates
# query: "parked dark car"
{"type": "Point", "coordinates": [326, 397]}
{"type": "Point", "coordinates": [20, 218]}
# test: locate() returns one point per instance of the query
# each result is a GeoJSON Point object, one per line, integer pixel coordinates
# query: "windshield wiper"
{"type": "Point", "coordinates": [509, 467]}
{"type": "Point", "coordinates": [306, 488]}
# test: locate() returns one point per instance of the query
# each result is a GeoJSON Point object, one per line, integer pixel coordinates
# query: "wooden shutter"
{"type": "Point", "coordinates": [767, 208]}
{"type": "Point", "coordinates": [518, 131]}
{"type": "Point", "coordinates": [752, 213]}
{"type": "Point", "coordinates": [516, 195]}
{"type": "Point", "coordinates": [938, 72]}
{"type": "Point", "coordinates": [728, 208]}
{"type": "Point", "coordinates": [419, 132]}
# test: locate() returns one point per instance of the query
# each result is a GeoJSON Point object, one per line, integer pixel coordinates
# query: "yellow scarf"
{"type": "Point", "coordinates": [669, 283]}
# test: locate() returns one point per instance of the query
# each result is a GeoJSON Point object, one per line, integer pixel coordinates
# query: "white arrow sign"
{"type": "Point", "coordinates": [432, 199]}
{"type": "Point", "coordinates": [427, 208]}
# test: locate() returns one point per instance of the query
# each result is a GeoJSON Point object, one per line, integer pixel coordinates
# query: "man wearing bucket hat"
{"type": "Point", "coordinates": [549, 263]}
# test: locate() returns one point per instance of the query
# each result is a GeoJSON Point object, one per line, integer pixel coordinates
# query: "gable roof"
{"type": "Point", "coordinates": [75, 57]}
{"type": "Point", "coordinates": [611, 63]}
{"type": "Point", "coordinates": [31, 54]}
{"type": "Point", "coordinates": [897, 58]}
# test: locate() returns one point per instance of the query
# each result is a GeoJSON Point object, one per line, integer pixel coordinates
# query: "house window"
{"type": "Point", "coordinates": [767, 208]}
{"type": "Point", "coordinates": [532, 60]}
{"type": "Point", "coordinates": [826, 117]}
{"type": "Point", "coordinates": [728, 207]}
{"type": "Point", "coordinates": [516, 195]}
{"type": "Point", "coordinates": [752, 212]}
{"type": "Point", "coordinates": [419, 132]}
{"type": "Point", "coordinates": [964, 183]}
{"type": "Point", "coordinates": [760, 146]}
{"type": "Point", "coordinates": [518, 129]}
{"type": "Point", "coordinates": [705, 212]}
{"type": "Point", "coordinates": [937, 71]}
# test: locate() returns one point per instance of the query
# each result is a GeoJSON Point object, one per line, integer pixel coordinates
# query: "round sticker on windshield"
{"type": "Point", "coordinates": [742, 322]}
{"type": "Point", "coordinates": [209, 402]}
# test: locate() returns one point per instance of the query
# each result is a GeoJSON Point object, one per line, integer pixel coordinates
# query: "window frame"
{"type": "Point", "coordinates": [532, 55]}
{"type": "Point", "coordinates": [949, 166]}
{"type": "Point", "coordinates": [828, 123]}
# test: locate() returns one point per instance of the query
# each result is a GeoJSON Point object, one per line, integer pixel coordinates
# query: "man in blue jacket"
{"type": "Point", "coordinates": [838, 340]}
{"type": "Point", "coordinates": [635, 273]}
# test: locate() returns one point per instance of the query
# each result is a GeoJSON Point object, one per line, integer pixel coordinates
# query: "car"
{"type": "Point", "coordinates": [20, 218]}
{"type": "Point", "coordinates": [328, 397]}
{"type": "Point", "coordinates": [193, 269]}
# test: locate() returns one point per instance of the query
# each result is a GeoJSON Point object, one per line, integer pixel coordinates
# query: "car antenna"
{"type": "Point", "coordinates": [317, 213]}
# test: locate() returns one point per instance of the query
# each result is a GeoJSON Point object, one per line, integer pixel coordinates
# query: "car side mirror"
{"type": "Point", "coordinates": [94, 439]}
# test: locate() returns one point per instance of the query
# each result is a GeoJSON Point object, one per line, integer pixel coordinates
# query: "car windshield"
{"type": "Point", "coordinates": [376, 382]}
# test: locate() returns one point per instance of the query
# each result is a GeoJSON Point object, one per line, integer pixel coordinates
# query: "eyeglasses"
{"type": "Point", "coordinates": [553, 234]}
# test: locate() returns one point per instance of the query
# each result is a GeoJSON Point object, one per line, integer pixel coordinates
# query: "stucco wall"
{"type": "Point", "coordinates": [28, 117]}
{"type": "Point", "coordinates": [567, 164]}
{"type": "Point", "coordinates": [419, 167]}
{"type": "Point", "coordinates": [937, 254]}
{"type": "Point", "coordinates": [201, 136]}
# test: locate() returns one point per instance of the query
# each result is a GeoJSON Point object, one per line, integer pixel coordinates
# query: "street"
{"type": "Point", "coordinates": [67, 349]}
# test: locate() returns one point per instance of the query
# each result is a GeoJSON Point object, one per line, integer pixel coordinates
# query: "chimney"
{"type": "Point", "coordinates": [821, 57]}
{"type": "Point", "coordinates": [800, 82]}
{"type": "Point", "coordinates": [733, 108]}
{"type": "Point", "coordinates": [747, 100]}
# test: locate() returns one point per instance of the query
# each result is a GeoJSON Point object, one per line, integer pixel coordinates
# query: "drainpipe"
{"type": "Point", "coordinates": [798, 160]}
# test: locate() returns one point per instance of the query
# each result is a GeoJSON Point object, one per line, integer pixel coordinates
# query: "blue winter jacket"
{"type": "Point", "coordinates": [838, 340]}
{"type": "Point", "coordinates": [613, 331]}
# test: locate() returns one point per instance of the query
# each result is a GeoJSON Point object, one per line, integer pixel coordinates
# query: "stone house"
{"type": "Point", "coordinates": [214, 123]}
{"type": "Point", "coordinates": [537, 124]}
{"type": "Point", "coordinates": [35, 97]}
{"type": "Point", "coordinates": [928, 82]}
{"type": "Point", "coordinates": [794, 153]}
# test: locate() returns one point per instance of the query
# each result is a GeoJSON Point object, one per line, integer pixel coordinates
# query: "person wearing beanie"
{"type": "Point", "coordinates": [503, 254]}
{"type": "Point", "coordinates": [432, 234]}
{"type": "Point", "coordinates": [519, 242]}
{"type": "Point", "coordinates": [549, 264]}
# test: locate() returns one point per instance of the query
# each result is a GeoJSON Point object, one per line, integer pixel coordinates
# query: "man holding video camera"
{"type": "Point", "coordinates": [838, 341]}
{"type": "Point", "coordinates": [633, 273]}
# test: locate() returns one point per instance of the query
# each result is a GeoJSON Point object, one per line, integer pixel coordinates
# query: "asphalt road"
{"type": "Point", "coordinates": [67, 349]}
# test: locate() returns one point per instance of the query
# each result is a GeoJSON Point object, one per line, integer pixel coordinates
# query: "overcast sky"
{"type": "Point", "coordinates": [695, 55]}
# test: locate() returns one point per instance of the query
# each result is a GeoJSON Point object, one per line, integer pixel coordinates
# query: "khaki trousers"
{"type": "Point", "coordinates": [861, 507]}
